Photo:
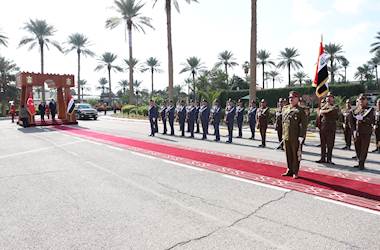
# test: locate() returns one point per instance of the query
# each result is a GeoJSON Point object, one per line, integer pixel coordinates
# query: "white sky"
{"type": "Point", "coordinates": [201, 30]}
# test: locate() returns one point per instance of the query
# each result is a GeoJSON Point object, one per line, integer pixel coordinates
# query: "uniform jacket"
{"type": "Point", "coordinates": [204, 113]}
{"type": "Point", "coordinates": [182, 113]}
{"type": "Point", "coordinates": [153, 112]}
{"type": "Point", "coordinates": [262, 117]}
{"type": "Point", "coordinates": [278, 123]}
{"type": "Point", "coordinates": [170, 112]}
{"type": "Point", "coordinates": [294, 123]}
{"type": "Point", "coordinates": [192, 113]}
{"type": "Point", "coordinates": [163, 112]}
{"type": "Point", "coordinates": [377, 119]}
{"type": "Point", "coordinates": [230, 115]}
{"type": "Point", "coordinates": [216, 115]}
{"type": "Point", "coordinates": [252, 115]}
{"type": "Point", "coordinates": [329, 116]}
{"type": "Point", "coordinates": [240, 113]}
{"type": "Point", "coordinates": [364, 126]}
{"type": "Point", "coordinates": [347, 118]}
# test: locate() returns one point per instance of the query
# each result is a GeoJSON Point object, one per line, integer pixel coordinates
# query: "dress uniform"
{"type": "Point", "coordinates": [170, 113]}
{"type": "Point", "coordinates": [240, 118]}
{"type": "Point", "coordinates": [164, 117]}
{"type": "Point", "coordinates": [364, 118]}
{"type": "Point", "coordinates": [294, 125]}
{"type": "Point", "coordinates": [229, 119]}
{"type": "Point", "coordinates": [182, 117]}
{"type": "Point", "coordinates": [262, 118]}
{"type": "Point", "coordinates": [191, 117]}
{"type": "Point", "coordinates": [252, 118]}
{"type": "Point", "coordinates": [278, 122]}
{"type": "Point", "coordinates": [204, 116]}
{"type": "Point", "coordinates": [377, 127]}
{"type": "Point", "coordinates": [197, 108]}
{"type": "Point", "coordinates": [153, 115]}
{"type": "Point", "coordinates": [216, 116]}
{"type": "Point", "coordinates": [329, 115]}
{"type": "Point", "coordinates": [347, 124]}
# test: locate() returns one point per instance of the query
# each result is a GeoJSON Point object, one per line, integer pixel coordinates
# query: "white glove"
{"type": "Point", "coordinates": [359, 117]}
{"type": "Point", "coordinates": [300, 140]}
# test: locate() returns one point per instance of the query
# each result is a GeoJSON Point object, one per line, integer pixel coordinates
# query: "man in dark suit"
{"type": "Point", "coordinates": [204, 114]}
{"type": "Point", "coordinates": [153, 115]}
{"type": "Point", "coordinates": [229, 119]}
{"type": "Point", "coordinates": [182, 117]}
{"type": "Point", "coordinates": [163, 116]}
{"type": "Point", "coordinates": [197, 108]}
{"type": "Point", "coordinates": [191, 116]}
{"type": "Point", "coordinates": [41, 110]}
{"type": "Point", "coordinates": [53, 109]}
{"type": "Point", "coordinates": [240, 117]}
{"type": "Point", "coordinates": [170, 113]}
{"type": "Point", "coordinates": [216, 116]}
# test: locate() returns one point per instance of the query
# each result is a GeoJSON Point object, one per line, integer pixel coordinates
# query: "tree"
{"type": "Point", "coordinates": [41, 33]}
{"type": "Point", "coordinates": [168, 10]}
{"type": "Point", "coordinates": [106, 61]}
{"type": "Point", "coordinates": [364, 73]}
{"type": "Point", "coordinates": [376, 45]}
{"type": "Point", "coordinates": [8, 70]}
{"type": "Point", "coordinates": [245, 67]}
{"type": "Point", "coordinates": [226, 59]}
{"type": "Point", "coordinates": [263, 59]}
{"type": "Point", "coordinates": [253, 51]}
{"type": "Point", "coordinates": [300, 76]}
{"type": "Point", "coordinates": [194, 66]}
{"type": "Point", "coordinates": [82, 84]}
{"type": "Point", "coordinates": [3, 40]}
{"type": "Point", "coordinates": [130, 13]}
{"type": "Point", "coordinates": [334, 52]}
{"type": "Point", "coordinates": [123, 84]}
{"type": "Point", "coordinates": [153, 65]}
{"type": "Point", "coordinates": [345, 64]}
{"type": "Point", "coordinates": [79, 43]}
{"type": "Point", "coordinates": [102, 84]}
{"type": "Point", "coordinates": [274, 75]}
{"type": "Point", "coordinates": [374, 62]}
{"type": "Point", "coordinates": [288, 59]}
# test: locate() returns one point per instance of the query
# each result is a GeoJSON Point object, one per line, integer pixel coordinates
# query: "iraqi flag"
{"type": "Point", "coordinates": [321, 74]}
{"type": "Point", "coordinates": [30, 105]}
{"type": "Point", "coordinates": [71, 105]}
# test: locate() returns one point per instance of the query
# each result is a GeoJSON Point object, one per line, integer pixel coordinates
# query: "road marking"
{"type": "Point", "coordinates": [144, 155]}
{"type": "Point", "coordinates": [256, 183]}
{"type": "Point", "coordinates": [94, 142]}
{"type": "Point", "coordinates": [115, 148]}
{"type": "Point", "coordinates": [183, 165]}
{"type": "Point", "coordinates": [348, 205]}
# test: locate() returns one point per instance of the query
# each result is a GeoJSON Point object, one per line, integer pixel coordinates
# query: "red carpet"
{"type": "Point", "coordinates": [348, 186]}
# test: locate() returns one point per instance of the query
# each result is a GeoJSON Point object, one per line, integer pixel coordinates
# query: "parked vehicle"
{"type": "Point", "coordinates": [85, 111]}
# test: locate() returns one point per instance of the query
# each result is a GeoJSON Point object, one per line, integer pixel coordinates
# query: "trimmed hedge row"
{"type": "Point", "coordinates": [272, 95]}
{"type": "Point", "coordinates": [133, 109]}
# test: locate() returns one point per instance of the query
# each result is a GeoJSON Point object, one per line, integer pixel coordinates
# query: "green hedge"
{"type": "Point", "coordinates": [133, 109]}
{"type": "Point", "coordinates": [126, 109]}
{"type": "Point", "coordinates": [272, 95]}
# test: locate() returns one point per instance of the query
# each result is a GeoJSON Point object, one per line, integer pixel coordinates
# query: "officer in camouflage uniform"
{"type": "Point", "coordinates": [262, 117]}
{"type": "Point", "coordinates": [377, 127]}
{"type": "Point", "coordinates": [329, 115]}
{"type": "Point", "coordinates": [347, 121]}
{"type": "Point", "coordinates": [364, 118]}
{"type": "Point", "coordinates": [294, 126]}
{"type": "Point", "coordinates": [278, 122]}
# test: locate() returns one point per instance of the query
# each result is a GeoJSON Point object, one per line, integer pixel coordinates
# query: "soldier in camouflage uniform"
{"type": "Point", "coordinates": [294, 127]}
{"type": "Point", "coordinates": [262, 117]}
{"type": "Point", "coordinates": [347, 121]}
{"type": "Point", "coordinates": [278, 122]}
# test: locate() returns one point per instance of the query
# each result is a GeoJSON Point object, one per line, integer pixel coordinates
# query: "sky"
{"type": "Point", "coordinates": [201, 29]}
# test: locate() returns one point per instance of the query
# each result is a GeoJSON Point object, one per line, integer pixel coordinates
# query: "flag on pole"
{"type": "Point", "coordinates": [321, 74]}
{"type": "Point", "coordinates": [30, 105]}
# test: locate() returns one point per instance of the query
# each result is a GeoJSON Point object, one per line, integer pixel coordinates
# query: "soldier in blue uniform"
{"type": "Point", "coordinates": [252, 118]}
{"type": "Point", "coordinates": [170, 113]}
{"type": "Point", "coordinates": [229, 119]}
{"type": "Point", "coordinates": [191, 117]}
{"type": "Point", "coordinates": [216, 116]}
{"type": "Point", "coordinates": [182, 117]}
{"type": "Point", "coordinates": [204, 114]}
{"type": "Point", "coordinates": [240, 117]}
{"type": "Point", "coordinates": [153, 115]}
{"type": "Point", "coordinates": [197, 108]}
{"type": "Point", "coordinates": [163, 116]}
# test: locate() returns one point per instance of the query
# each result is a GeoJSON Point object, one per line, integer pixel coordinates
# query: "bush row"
{"type": "Point", "coordinates": [133, 109]}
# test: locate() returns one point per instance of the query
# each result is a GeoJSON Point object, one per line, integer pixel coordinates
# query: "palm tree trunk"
{"type": "Point", "coordinates": [273, 82]}
{"type": "Point", "coordinates": [332, 71]}
{"type": "Point", "coordinates": [289, 74]}
{"type": "Point", "coordinates": [151, 95]}
{"type": "Point", "coordinates": [377, 77]}
{"type": "Point", "coordinates": [263, 75]}
{"type": "Point", "coordinates": [345, 74]}
{"type": "Point", "coordinates": [253, 51]}
{"type": "Point", "coordinates": [195, 97]}
{"type": "Point", "coordinates": [42, 69]}
{"type": "Point", "coordinates": [82, 93]}
{"type": "Point", "coordinates": [109, 84]}
{"type": "Point", "coordinates": [170, 47]}
{"type": "Point", "coordinates": [78, 51]}
{"type": "Point", "coordinates": [131, 93]}
{"type": "Point", "coordinates": [226, 70]}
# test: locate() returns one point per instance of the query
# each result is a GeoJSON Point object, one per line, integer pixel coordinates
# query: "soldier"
{"type": "Point", "coordinates": [364, 118]}
{"type": "Point", "coordinates": [229, 119]}
{"type": "Point", "coordinates": [170, 113]}
{"type": "Point", "coordinates": [347, 124]}
{"type": "Point", "coordinates": [252, 118]}
{"type": "Point", "coordinates": [182, 117]}
{"type": "Point", "coordinates": [191, 117]}
{"type": "Point", "coordinates": [262, 118]}
{"type": "Point", "coordinates": [197, 108]}
{"type": "Point", "coordinates": [216, 116]}
{"type": "Point", "coordinates": [329, 115]}
{"type": "Point", "coordinates": [153, 115]}
{"type": "Point", "coordinates": [204, 115]}
{"type": "Point", "coordinates": [163, 116]}
{"type": "Point", "coordinates": [294, 126]}
{"type": "Point", "coordinates": [278, 123]}
{"type": "Point", "coordinates": [318, 117]}
{"type": "Point", "coordinates": [240, 117]}
{"type": "Point", "coordinates": [302, 103]}
{"type": "Point", "coordinates": [377, 127]}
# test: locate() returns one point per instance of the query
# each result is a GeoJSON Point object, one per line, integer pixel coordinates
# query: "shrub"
{"type": "Point", "coordinates": [126, 109]}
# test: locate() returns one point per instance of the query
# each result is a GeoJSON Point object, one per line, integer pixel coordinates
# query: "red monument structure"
{"type": "Point", "coordinates": [63, 83]}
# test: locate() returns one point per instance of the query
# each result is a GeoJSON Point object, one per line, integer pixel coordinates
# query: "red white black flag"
{"type": "Point", "coordinates": [321, 74]}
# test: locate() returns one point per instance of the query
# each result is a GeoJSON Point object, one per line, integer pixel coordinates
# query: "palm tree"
{"type": "Point", "coordinates": [79, 43]}
{"type": "Point", "coordinates": [131, 65]}
{"type": "Point", "coordinates": [82, 84]}
{"type": "Point", "coordinates": [8, 70]}
{"type": "Point", "coordinates": [374, 62]}
{"type": "Point", "coordinates": [3, 40]}
{"type": "Point", "coordinates": [245, 67]}
{"type": "Point", "coordinates": [274, 74]}
{"type": "Point", "coordinates": [288, 59]}
{"type": "Point", "coordinates": [376, 45]}
{"type": "Point", "coordinates": [334, 51]}
{"type": "Point", "coordinates": [253, 51]}
{"type": "Point", "coordinates": [106, 61]}
{"type": "Point", "coordinates": [345, 64]}
{"type": "Point", "coordinates": [168, 10]}
{"type": "Point", "coordinates": [102, 84]}
{"type": "Point", "coordinates": [41, 33]}
{"type": "Point", "coordinates": [153, 65]}
{"type": "Point", "coordinates": [226, 59]}
{"type": "Point", "coordinates": [130, 13]}
{"type": "Point", "coordinates": [364, 73]}
{"type": "Point", "coordinates": [300, 76]}
{"type": "Point", "coordinates": [123, 84]}
{"type": "Point", "coordinates": [263, 57]}
{"type": "Point", "coordinates": [193, 65]}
